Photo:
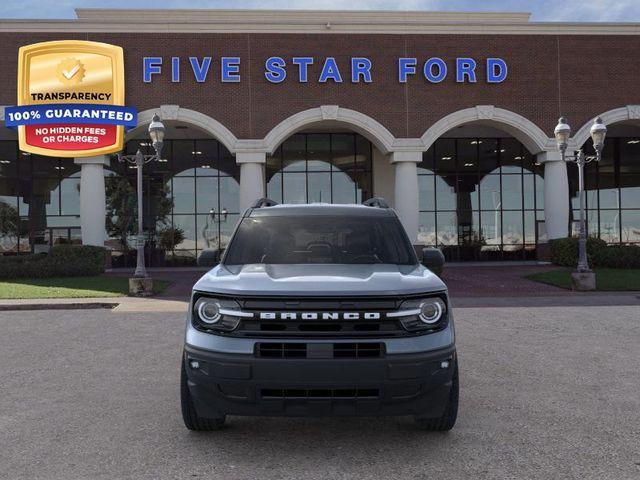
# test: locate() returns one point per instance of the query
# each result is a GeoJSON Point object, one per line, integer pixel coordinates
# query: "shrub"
{"type": "Point", "coordinates": [61, 261]}
{"type": "Point", "coordinates": [564, 252]}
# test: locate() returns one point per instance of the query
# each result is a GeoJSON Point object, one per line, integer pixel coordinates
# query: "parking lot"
{"type": "Point", "coordinates": [550, 392]}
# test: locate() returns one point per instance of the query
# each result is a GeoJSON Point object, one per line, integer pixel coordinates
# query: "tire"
{"type": "Point", "coordinates": [448, 418]}
{"type": "Point", "coordinates": [191, 419]}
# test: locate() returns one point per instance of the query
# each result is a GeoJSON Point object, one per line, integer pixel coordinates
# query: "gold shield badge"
{"type": "Point", "coordinates": [70, 85]}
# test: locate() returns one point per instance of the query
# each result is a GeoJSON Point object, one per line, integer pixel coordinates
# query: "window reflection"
{"type": "Point", "coordinates": [320, 167]}
{"type": "Point", "coordinates": [479, 198]}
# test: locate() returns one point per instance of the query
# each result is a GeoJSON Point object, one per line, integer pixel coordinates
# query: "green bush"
{"type": "Point", "coordinates": [564, 252]}
{"type": "Point", "coordinates": [618, 256]}
{"type": "Point", "coordinates": [61, 261]}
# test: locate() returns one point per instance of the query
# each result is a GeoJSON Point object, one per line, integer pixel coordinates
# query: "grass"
{"type": "Point", "coordinates": [607, 279]}
{"type": "Point", "coordinates": [70, 287]}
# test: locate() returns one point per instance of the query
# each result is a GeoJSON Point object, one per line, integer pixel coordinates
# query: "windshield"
{"type": "Point", "coordinates": [320, 239]}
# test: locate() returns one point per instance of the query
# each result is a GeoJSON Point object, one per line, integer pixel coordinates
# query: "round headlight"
{"type": "Point", "coordinates": [431, 310]}
{"type": "Point", "coordinates": [208, 311]}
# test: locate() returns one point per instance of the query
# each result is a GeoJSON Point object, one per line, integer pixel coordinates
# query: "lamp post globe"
{"type": "Point", "coordinates": [562, 133]}
{"type": "Point", "coordinates": [598, 133]}
{"type": "Point", "coordinates": [156, 133]}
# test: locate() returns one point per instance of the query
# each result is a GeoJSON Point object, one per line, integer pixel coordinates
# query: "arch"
{"type": "Point", "coordinates": [197, 119]}
{"type": "Point", "coordinates": [622, 114]}
{"type": "Point", "coordinates": [382, 138]}
{"type": "Point", "coordinates": [527, 132]}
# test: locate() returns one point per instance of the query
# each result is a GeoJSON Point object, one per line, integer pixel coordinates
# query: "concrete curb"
{"type": "Point", "coordinates": [57, 306]}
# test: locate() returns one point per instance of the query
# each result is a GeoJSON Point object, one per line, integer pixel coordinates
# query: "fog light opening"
{"type": "Point", "coordinates": [444, 364]}
{"type": "Point", "coordinates": [194, 364]}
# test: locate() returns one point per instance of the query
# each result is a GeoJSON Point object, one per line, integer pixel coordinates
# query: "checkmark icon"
{"type": "Point", "coordinates": [71, 73]}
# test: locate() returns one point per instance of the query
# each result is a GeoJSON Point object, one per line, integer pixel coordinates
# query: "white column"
{"type": "Point", "coordinates": [556, 194]}
{"type": "Point", "coordinates": [93, 209]}
{"type": "Point", "coordinates": [406, 190]}
{"type": "Point", "coordinates": [251, 177]}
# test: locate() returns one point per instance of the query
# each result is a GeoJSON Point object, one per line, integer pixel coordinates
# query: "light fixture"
{"type": "Point", "coordinates": [476, 142]}
{"type": "Point", "coordinates": [598, 133]}
{"type": "Point", "coordinates": [156, 133]}
{"type": "Point", "coordinates": [196, 152]}
{"type": "Point", "coordinates": [517, 158]}
{"type": "Point", "coordinates": [205, 166]}
{"type": "Point", "coordinates": [633, 142]}
{"type": "Point", "coordinates": [562, 133]}
{"type": "Point", "coordinates": [5, 161]}
{"type": "Point", "coordinates": [502, 150]}
{"type": "Point", "coordinates": [469, 164]}
{"type": "Point", "coordinates": [447, 158]}
{"type": "Point", "coordinates": [58, 168]}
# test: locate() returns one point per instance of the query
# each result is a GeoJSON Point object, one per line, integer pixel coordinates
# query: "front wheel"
{"type": "Point", "coordinates": [191, 419]}
{"type": "Point", "coordinates": [448, 418]}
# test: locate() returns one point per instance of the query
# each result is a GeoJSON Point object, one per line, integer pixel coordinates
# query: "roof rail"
{"type": "Point", "coordinates": [377, 202]}
{"type": "Point", "coordinates": [263, 202]}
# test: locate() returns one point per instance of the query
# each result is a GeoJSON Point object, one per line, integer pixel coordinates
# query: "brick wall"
{"type": "Point", "coordinates": [578, 76]}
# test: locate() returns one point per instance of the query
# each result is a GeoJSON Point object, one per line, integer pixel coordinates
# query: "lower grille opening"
{"type": "Point", "coordinates": [357, 350]}
{"type": "Point", "coordinates": [282, 350]}
{"type": "Point", "coordinates": [320, 393]}
{"type": "Point", "coordinates": [339, 350]}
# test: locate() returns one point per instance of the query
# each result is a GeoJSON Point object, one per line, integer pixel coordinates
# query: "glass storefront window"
{"type": "Point", "coordinates": [612, 191]}
{"type": "Point", "coordinates": [479, 198]}
{"type": "Point", "coordinates": [320, 167]}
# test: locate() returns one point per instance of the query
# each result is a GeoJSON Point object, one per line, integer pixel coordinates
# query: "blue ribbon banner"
{"type": "Point", "coordinates": [70, 113]}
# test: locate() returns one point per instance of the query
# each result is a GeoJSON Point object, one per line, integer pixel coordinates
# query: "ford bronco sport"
{"type": "Point", "coordinates": [319, 310]}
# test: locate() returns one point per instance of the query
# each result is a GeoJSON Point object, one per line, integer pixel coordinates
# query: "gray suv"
{"type": "Point", "coordinates": [319, 310]}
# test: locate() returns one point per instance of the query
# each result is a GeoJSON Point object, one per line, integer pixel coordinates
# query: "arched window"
{"type": "Point", "coordinates": [321, 167]}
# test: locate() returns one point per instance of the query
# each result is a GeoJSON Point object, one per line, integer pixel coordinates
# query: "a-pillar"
{"type": "Point", "coordinates": [406, 190]}
{"type": "Point", "coordinates": [92, 199]}
{"type": "Point", "coordinates": [556, 194]}
{"type": "Point", "coordinates": [251, 177]}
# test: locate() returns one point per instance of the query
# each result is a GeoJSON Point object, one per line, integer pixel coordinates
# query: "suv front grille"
{"type": "Point", "coordinates": [362, 327]}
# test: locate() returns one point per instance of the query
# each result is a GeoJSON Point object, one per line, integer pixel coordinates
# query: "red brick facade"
{"type": "Point", "coordinates": [578, 76]}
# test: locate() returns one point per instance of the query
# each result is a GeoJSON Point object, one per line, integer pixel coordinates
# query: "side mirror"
{"type": "Point", "coordinates": [433, 259]}
{"type": "Point", "coordinates": [209, 257]}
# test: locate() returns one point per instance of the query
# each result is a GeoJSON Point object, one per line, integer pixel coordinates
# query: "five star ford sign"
{"type": "Point", "coordinates": [71, 99]}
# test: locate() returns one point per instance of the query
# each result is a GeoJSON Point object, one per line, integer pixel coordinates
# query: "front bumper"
{"type": "Point", "coordinates": [396, 384]}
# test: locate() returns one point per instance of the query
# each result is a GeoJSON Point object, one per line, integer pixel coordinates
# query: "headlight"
{"type": "Point", "coordinates": [431, 310]}
{"type": "Point", "coordinates": [208, 310]}
{"type": "Point", "coordinates": [422, 314]}
{"type": "Point", "coordinates": [215, 314]}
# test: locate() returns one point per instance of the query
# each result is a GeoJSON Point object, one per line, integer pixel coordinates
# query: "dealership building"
{"type": "Point", "coordinates": [448, 116]}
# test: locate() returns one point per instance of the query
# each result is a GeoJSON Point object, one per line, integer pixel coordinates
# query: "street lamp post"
{"type": "Point", "coordinates": [156, 133]}
{"type": "Point", "coordinates": [562, 133]}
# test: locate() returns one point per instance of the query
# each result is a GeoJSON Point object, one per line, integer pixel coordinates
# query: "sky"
{"type": "Point", "coordinates": [542, 10]}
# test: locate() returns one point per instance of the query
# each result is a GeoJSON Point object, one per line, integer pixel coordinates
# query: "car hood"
{"type": "Point", "coordinates": [319, 280]}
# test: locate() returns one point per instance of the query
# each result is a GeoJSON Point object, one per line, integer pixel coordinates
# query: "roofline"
{"type": "Point", "coordinates": [310, 21]}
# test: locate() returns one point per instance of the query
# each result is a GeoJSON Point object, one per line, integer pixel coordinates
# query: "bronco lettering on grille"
{"type": "Point", "coordinates": [319, 316]}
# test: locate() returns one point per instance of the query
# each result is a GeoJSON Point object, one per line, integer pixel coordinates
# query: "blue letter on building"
{"type": "Point", "coordinates": [406, 66]}
{"type": "Point", "coordinates": [230, 70]}
{"type": "Point", "coordinates": [428, 70]}
{"type": "Point", "coordinates": [330, 71]}
{"type": "Point", "coordinates": [303, 64]}
{"type": "Point", "coordinates": [496, 70]}
{"type": "Point", "coordinates": [360, 66]}
{"type": "Point", "coordinates": [200, 71]}
{"type": "Point", "coordinates": [175, 69]}
{"type": "Point", "coordinates": [275, 69]}
{"type": "Point", "coordinates": [151, 66]}
{"type": "Point", "coordinates": [465, 67]}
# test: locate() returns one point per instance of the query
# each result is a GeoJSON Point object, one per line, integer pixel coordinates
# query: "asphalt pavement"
{"type": "Point", "coordinates": [549, 392]}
